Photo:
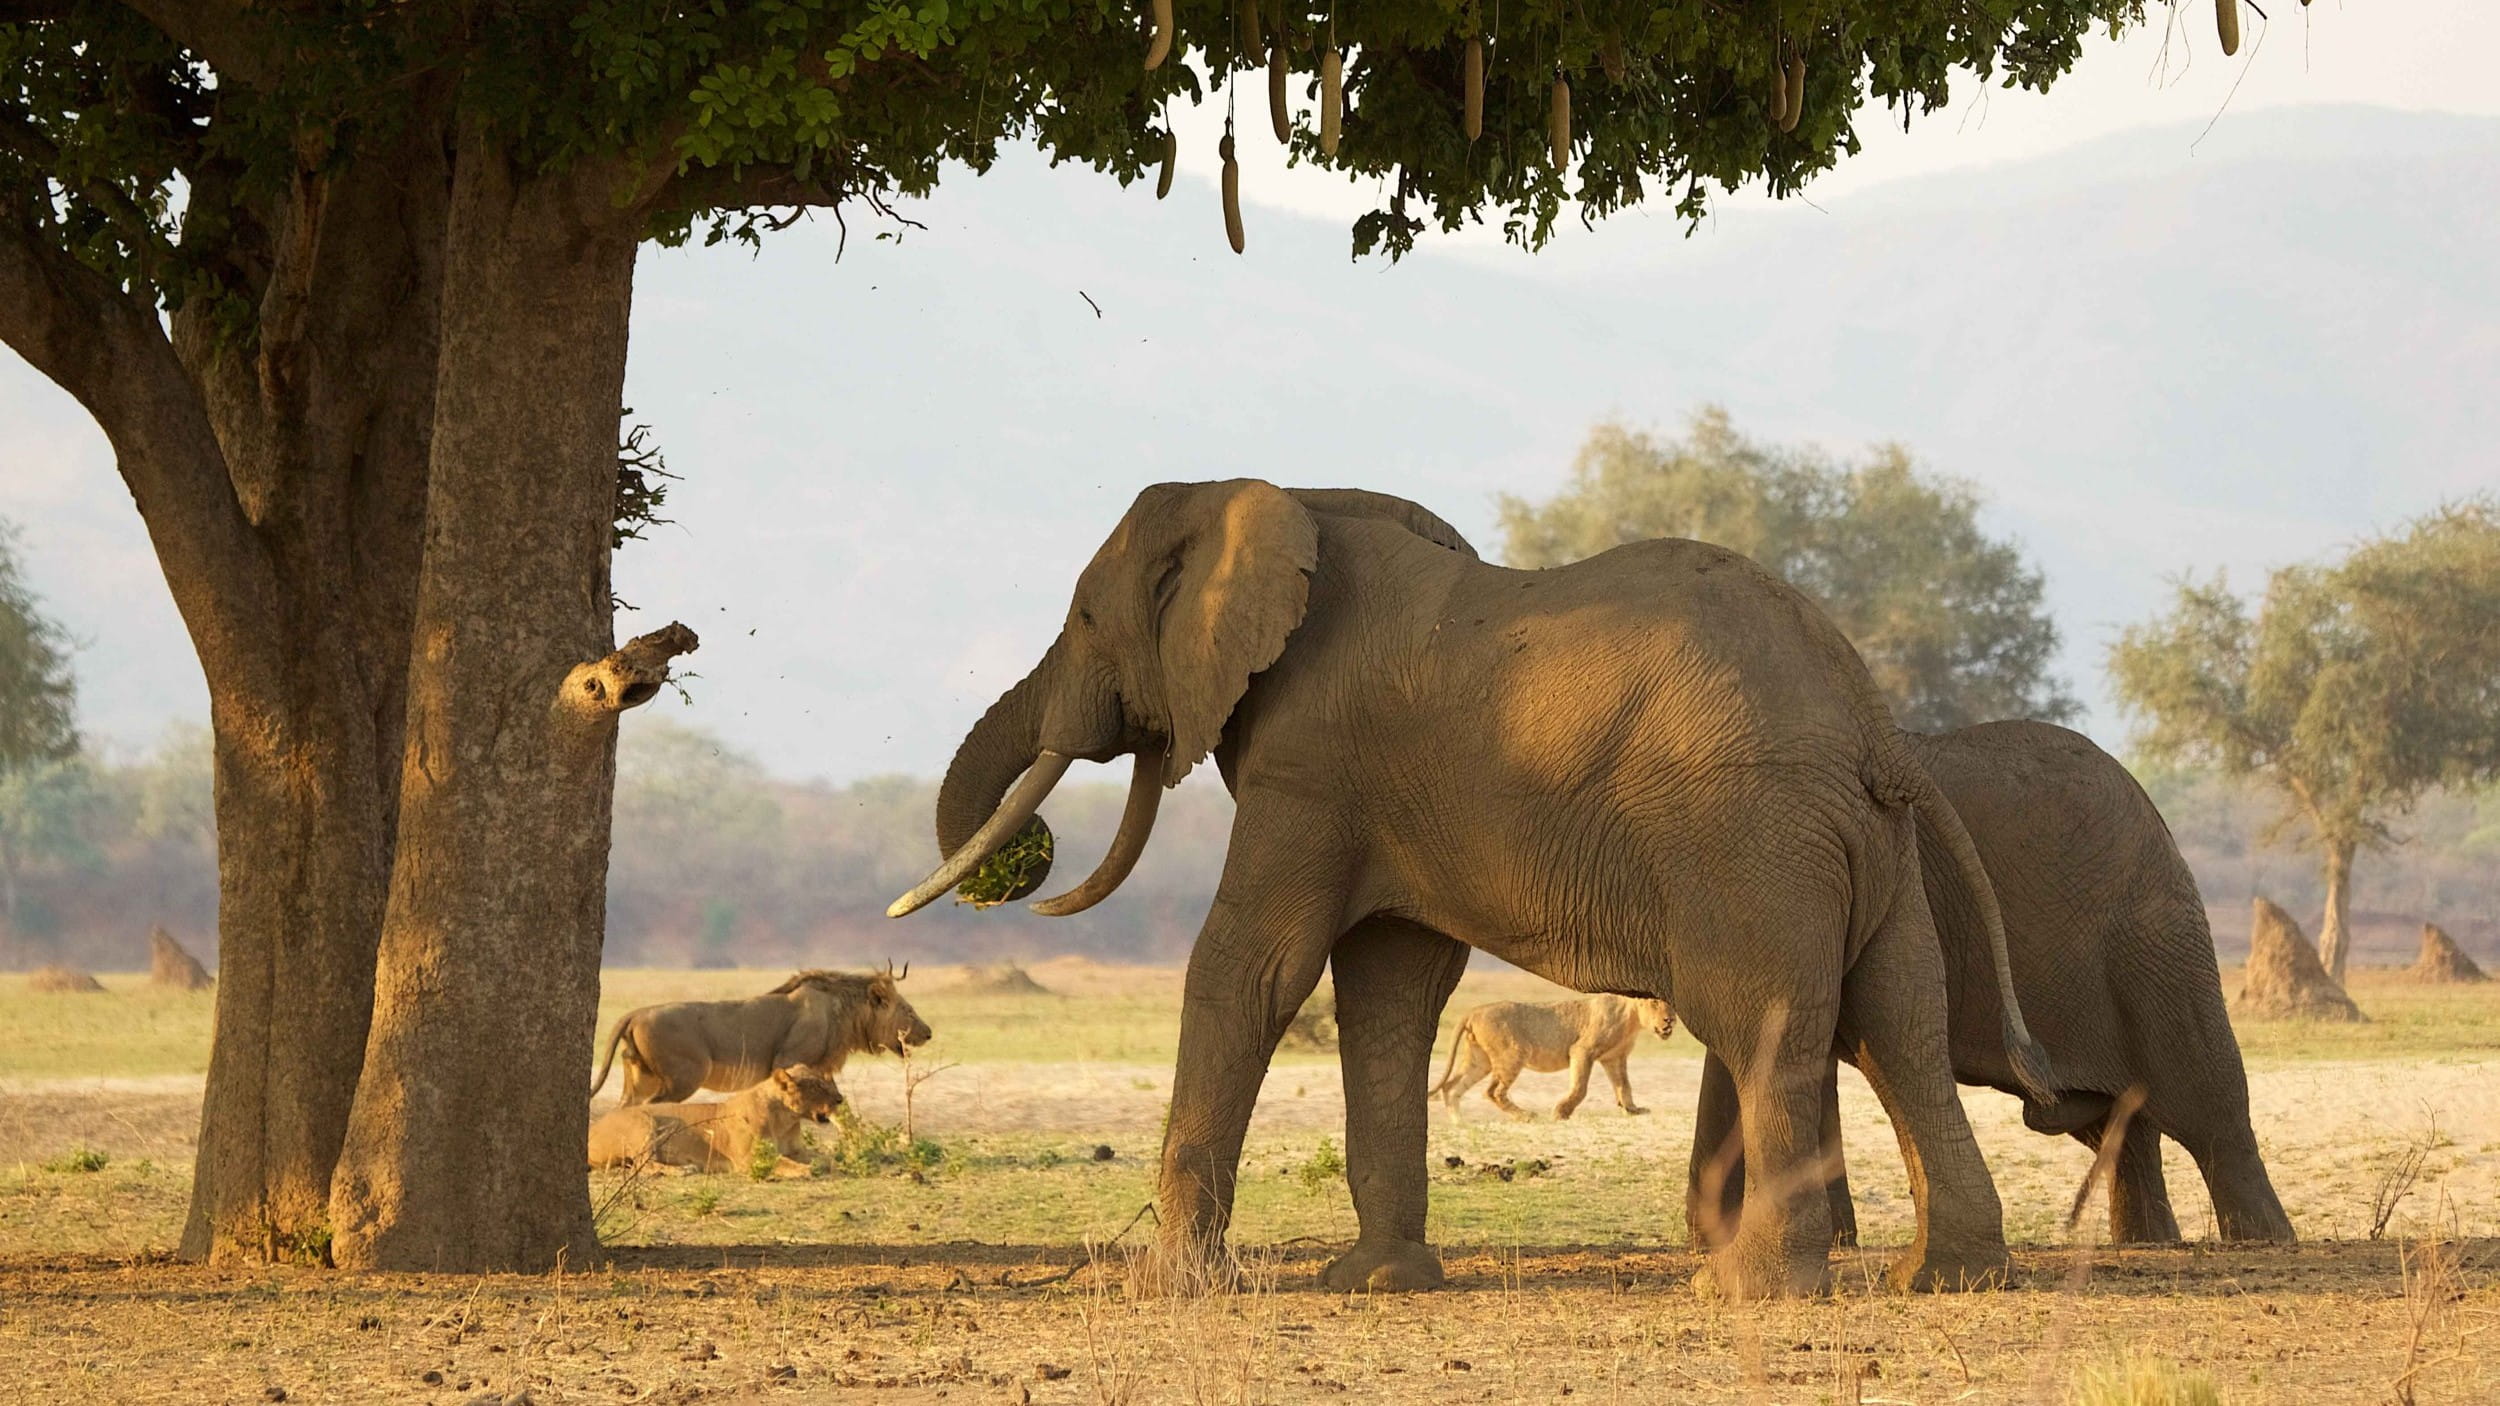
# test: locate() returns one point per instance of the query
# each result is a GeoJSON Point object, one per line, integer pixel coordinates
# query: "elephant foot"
{"type": "Point", "coordinates": [1952, 1269]}
{"type": "Point", "coordinates": [1384, 1267]}
{"type": "Point", "coordinates": [1183, 1269]}
{"type": "Point", "coordinates": [1742, 1273]}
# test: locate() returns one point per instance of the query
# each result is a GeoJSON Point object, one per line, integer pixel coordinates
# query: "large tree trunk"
{"type": "Point", "coordinates": [464, 1150]}
{"type": "Point", "coordinates": [303, 860]}
{"type": "Point", "coordinates": [2335, 934]}
{"type": "Point", "coordinates": [322, 422]}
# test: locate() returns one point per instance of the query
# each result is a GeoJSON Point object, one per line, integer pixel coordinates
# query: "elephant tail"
{"type": "Point", "coordinates": [1943, 824]}
{"type": "Point", "coordinates": [607, 1056]}
{"type": "Point", "coordinates": [1449, 1069]}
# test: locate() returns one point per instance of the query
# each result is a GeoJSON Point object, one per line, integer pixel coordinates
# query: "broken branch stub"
{"type": "Point", "coordinates": [628, 677]}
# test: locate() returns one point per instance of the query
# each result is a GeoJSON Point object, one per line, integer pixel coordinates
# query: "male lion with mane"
{"type": "Point", "coordinates": [816, 1020]}
{"type": "Point", "coordinates": [718, 1137]}
{"type": "Point", "coordinates": [1502, 1037]}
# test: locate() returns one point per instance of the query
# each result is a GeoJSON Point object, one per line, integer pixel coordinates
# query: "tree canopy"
{"type": "Point", "coordinates": [2356, 687]}
{"type": "Point", "coordinates": [135, 134]}
{"type": "Point", "coordinates": [1951, 622]}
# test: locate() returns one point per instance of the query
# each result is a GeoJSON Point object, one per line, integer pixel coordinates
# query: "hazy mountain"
{"type": "Point", "coordinates": [2154, 354]}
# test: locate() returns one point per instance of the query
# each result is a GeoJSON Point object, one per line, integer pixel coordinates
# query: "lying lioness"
{"type": "Point", "coordinates": [717, 1137]}
{"type": "Point", "coordinates": [1503, 1037]}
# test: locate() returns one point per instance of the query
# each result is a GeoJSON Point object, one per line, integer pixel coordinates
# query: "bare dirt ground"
{"type": "Point", "coordinates": [925, 1282]}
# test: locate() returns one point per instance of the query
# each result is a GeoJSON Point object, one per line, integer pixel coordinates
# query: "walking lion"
{"type": "Point", "coordinates": [1503, 1037]}
{"type": "Point", "coordinates": [816, 1020]}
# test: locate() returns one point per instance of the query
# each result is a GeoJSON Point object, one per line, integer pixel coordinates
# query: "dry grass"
{"type": "Point", "coordinates": [906, 1288]}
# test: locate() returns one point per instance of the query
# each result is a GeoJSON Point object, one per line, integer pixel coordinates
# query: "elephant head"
{"type": "Point", "coordinates": [1191, 596]}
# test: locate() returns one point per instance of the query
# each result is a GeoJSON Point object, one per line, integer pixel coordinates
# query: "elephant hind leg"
{"type": "Point", "coordinates": [2139, 1197]}
{"type": "Point", "coordinates": [1714, 1178]}
{"type": "Point", "coordinates": [1836, 1164]}
{"type": "Point", "coordinates": [1782, 1241]}
{"type": "Point", "coordinates": [1894, 1024]}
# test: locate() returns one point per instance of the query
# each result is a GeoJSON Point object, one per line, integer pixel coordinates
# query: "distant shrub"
{"type": "Point", "coordinates": [80, 1159]}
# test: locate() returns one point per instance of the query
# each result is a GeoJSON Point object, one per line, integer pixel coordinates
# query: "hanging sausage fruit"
{"type": "Point", "coordinates": [1331, 97]}
{"type": "Point", "coordinates": [1232, 189]}
{"type": "Point", "coordinates": [2227, 20]}
{"type": "Point", "coordinates": [1278, 70]}
{"type": "Point", "coordinates": [1779, 88]}
{"type": "Point", "coordinates": [1159, 47]}
{"type": "Point", "coordinates": [1793, 82]}
{"type": "Point", "coordinates": [1171, 160]}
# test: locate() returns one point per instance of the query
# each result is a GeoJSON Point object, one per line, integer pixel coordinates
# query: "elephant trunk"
{"type": "Point", "coordinates": [997, 750]}
{"type": "Point", "coordinates": [1002, 826]}
{"type": "Point", "coordinates": [1137, 822]}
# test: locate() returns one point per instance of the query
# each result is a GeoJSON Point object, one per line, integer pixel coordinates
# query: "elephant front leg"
{"type": "Point", "coordinates": [1393, 978]}
{"type": "Point", "coordinates": [1257, 959]}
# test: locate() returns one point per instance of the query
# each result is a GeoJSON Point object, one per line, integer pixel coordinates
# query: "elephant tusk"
{"type": "Point", "coordinates": [1003, 823]}
{"type": "Point", "coordinates": [1137, 821]}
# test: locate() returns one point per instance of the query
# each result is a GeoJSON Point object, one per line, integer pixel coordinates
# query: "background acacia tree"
{"type": "Point", "coordinates": [347, 285]}
{"type": "Point", "coordinates": [2356, 687]}
{"type": "Point", "coordinates": [38, 727]}
{"type": "Point", "coordinates": [1951, 621]}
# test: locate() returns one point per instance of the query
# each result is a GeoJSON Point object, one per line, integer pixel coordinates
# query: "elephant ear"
{"type": "Point", "coordinates": [1233, 587]}
{"type": "Point", "coordinates": [1405, 512]}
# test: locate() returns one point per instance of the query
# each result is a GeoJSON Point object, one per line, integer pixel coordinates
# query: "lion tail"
{"type": "Point", "coordinates": [607, 1056]}
{"type": "Point", "coordinates": [1449, 1069]}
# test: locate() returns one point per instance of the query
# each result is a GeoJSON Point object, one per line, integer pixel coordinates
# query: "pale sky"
{"type": "Point", "coordinates": [895, 464]}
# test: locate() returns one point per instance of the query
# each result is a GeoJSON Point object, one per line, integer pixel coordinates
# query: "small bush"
{"type": "Point", "coordinates": [764, 1159]}
{"type": "Point", "coordinates": [2144, 1381]}
{"type": "Point", "coordinates": [1325, 1165]}
{"type": "Point", "coordinates": [872, 1150]}
{"type": "Point", "coordinates": [705, 1201]}
{"type": "Point", "coordinates": [80, 1159]}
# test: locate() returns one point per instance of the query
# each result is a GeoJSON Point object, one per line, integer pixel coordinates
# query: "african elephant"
{"type": "Point", "coordinates": [2113, 963]}
{"type": "Point", "coordinates": [1582, 771]}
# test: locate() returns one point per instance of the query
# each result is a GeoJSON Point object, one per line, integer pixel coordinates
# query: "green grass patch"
{"type": "Point", "coordinates": [129, 1030]}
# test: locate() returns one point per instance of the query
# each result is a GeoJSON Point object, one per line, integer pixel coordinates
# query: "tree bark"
{"type": "Point", "coordinates": [281, 478]}
{"type": "Point", "coordinates": [488, 975]}
{"type": "Point", "coordinates": [2334, 934]}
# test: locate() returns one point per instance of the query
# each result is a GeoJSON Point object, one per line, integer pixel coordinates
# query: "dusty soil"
{"type": "Point", "coordinates": [2318, 1324]}
{"type": "Point", "coordinates": [1567, 1279]}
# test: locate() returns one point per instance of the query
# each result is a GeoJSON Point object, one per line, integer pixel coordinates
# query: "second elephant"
{"type": "Point", "coordinates": [2115, 969]}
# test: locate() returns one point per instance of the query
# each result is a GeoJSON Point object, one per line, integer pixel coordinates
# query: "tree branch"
{"type": "Point", "coordinates": [629, 677]}
{"type": "Point", "coordinates": [108, 350]}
